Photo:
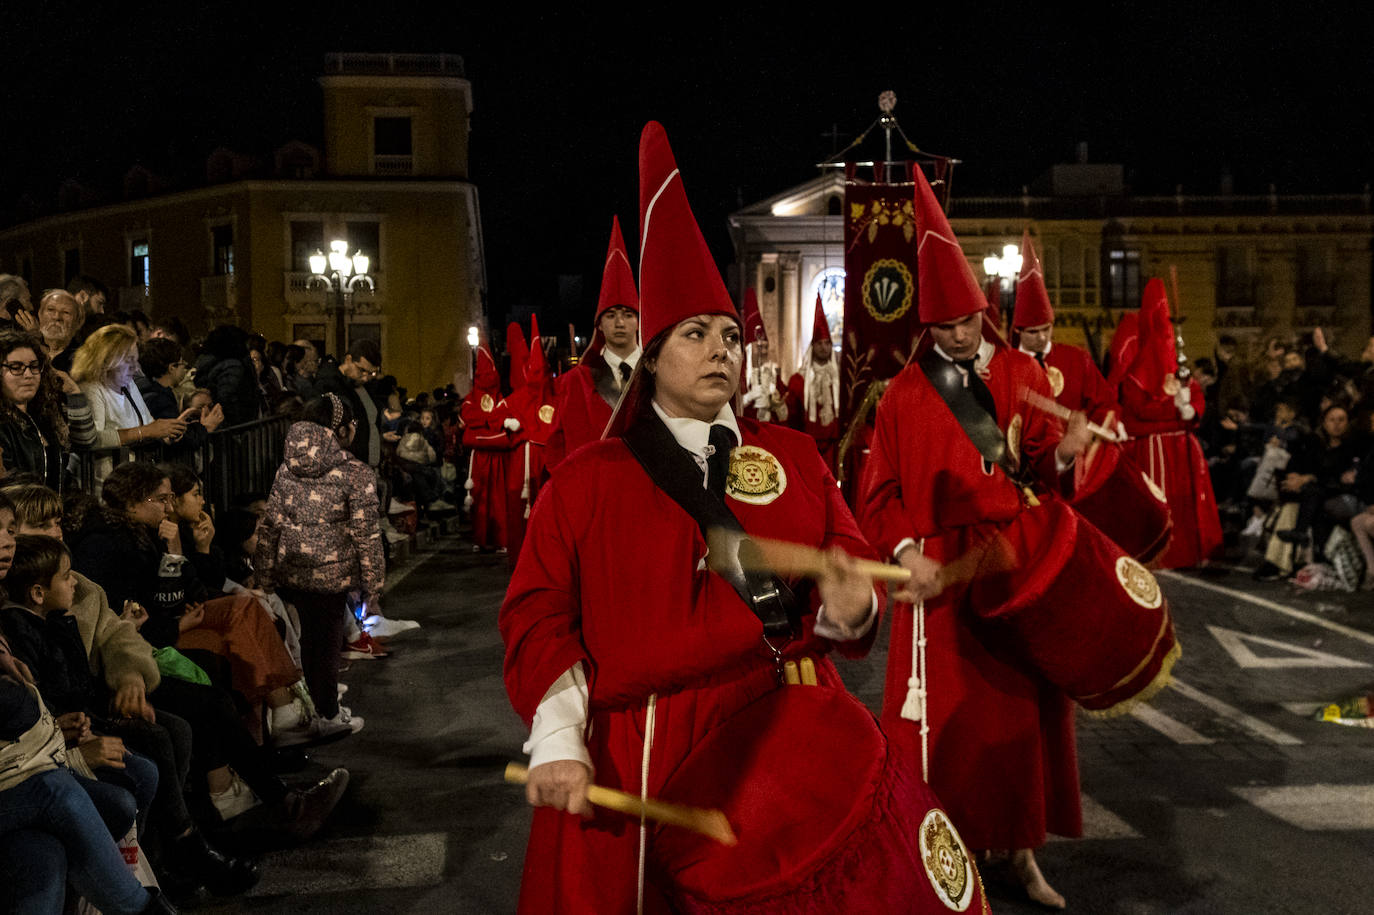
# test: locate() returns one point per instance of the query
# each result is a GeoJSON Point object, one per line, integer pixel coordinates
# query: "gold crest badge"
{"type": "Point", "coordinates": [1056, 380]}
{"type": "Point", "coordinates": [755, 476]}
{"type": "Point", "coordinates": [1014, 439]}
{"type": "Point", "coordinates": [1137, 581]}
{"type": "Point", "coordinates": [487, 403]}
{"type": "Point", "coordinates": [889, 290]}
{"type": "Point", "coordinates": [546, 413]}
{"type": "Point", "coordinates": [946, 861]}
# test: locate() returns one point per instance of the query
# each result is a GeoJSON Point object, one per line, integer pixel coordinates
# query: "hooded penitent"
{"type": "Point", "coordinates": [1156, 356]}
{"type": "Point", "coordinates": [617, 285]}
{"type": "Point", "coordinates": [946, 285]}
{"type": "Point", "coordinates": [820, 380]}
{"type": "Point", "coordinates": [1032, 307]}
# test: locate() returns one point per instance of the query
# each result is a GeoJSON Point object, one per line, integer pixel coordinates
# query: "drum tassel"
{"type": "Point", "coordinates": [914, 708]}
{"type": "Point", "coordinates": [644, 797]}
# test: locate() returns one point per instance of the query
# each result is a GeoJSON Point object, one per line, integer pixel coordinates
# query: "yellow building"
{"type": "Point", "coordinates": [392, 182]}
{"type": "Point", "coordinates": [1248, 266]}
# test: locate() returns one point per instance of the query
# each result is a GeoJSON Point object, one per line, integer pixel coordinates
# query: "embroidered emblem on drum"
{"type": "Point", "coordinates": [546, 413]}
{"type": "Point", "coordinates": [755, 476]}
{"type": "Point", "coordinates": [946, 861]}
{"type": "Point", "coordinates": [1138, 582]}
{"type": "Point", "coordinates": [1014, 439]}
{"type": "Point", "coordinates": [1056, 380]}
{"type": "Point", "coordinates": [1154, 488]}
{"type": "Point", "coordinates": [487, 403]}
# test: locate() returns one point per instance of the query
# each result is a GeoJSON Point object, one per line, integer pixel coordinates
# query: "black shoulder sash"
{"type": "Point", "coordinates": [674, 471]}
{"type": "Point", "coordinates": [980, 428]}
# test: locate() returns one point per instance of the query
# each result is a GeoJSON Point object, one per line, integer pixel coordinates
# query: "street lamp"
{"type": "Point", "coordinates": [1003, 269]}
{"type": "Point", "coordinates": [473, 340]}
{"type": "Point", "coordinates": [343, 275]}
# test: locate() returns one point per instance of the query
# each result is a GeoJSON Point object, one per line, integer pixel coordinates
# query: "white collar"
{"type": "Point", "coordinates": [980, 358]}
{"type": "Point", "coordinates": [693, 434]}
{"type": "Point", "coordinates": [614, 361]}
{"type": "Point", "coordinates": [1048, 346]}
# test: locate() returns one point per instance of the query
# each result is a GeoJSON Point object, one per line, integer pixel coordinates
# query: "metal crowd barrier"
{"type": "Point", "coordinates": [231, 461]}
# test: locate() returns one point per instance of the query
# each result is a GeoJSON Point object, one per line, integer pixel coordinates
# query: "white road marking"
{"type": "Point", "coordinates": [1357, 634]}
{"type": "Point", "coordinates": [1316, 807]}
{"type": "Point", "coordinates": [1253, 725]}
{"type": "Point", "coordinates": [1176, 731]}
{"type": "Point", "coordinates": [1101, 823]}
{"type": "Point", "coordinates": [372, 862]}
{"type": "Point", "coordinates": [1235, 641]}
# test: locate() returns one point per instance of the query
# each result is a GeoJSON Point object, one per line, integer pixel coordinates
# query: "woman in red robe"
{"type": "Point", "coordinates": [1161, 412]}
{"type": "Point", "coordinates": [630, 657]}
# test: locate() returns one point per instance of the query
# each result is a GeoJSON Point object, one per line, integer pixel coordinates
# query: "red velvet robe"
{"type": "Point", "coordinates": [490, 444]}
{"type": "Point", "coordinates": [611, 575]}
{"type": "Point", "coordinates": [1162, 444]}
{"type": "Point", "coordinates": [586, 398]}
{"type": "Point", "coordinates": [826, 435]}
{"type": "Point", "coordinates": [1003, 758]}
{"type": "Point", "coordinates": [1084, 388]}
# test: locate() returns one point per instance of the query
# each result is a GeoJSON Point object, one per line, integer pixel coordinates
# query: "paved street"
{"type": "Point", "coordinates": [1222, 796]}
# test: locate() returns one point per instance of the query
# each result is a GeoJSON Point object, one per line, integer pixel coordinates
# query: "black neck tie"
{"type": "Point", "coordinates": [718, 462]}
{"type": "Point", "coordinates": [1040, 358]}
{"type": "Point", "coordinates": [978, 387]}
{"type": "Point", "coordinates": [625, 371]}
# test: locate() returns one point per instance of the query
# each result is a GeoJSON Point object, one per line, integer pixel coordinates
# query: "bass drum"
{"type": "Point", "coordinates": [1125, 504]}
{"type": "Point", "coordinates": [831, 816]}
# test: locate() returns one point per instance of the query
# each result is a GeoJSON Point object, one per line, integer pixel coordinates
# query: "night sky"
{"type": "Point", "coordinates": [1277, 93]}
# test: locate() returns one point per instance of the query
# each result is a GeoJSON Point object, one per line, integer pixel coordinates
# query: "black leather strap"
{"type": "Point", "coordinates": [673, 470]}
{"type": "Point", "coordinates": [973, 418]}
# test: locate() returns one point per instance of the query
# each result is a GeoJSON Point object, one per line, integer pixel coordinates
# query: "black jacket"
{"type": "Point", "coordinates": [329, 380]}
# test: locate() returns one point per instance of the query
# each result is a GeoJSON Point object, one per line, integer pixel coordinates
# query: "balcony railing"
{"type": "Point", "coordinates": [393, 165]}
{"type": "Point", "coordinates": [297, 288]}
{"type": "Point", "coordinates": [219, 294]}
{"type": "Point", "coordinates": [394, 64]}
{"type": "Point", "coordinates": [1236, 316]}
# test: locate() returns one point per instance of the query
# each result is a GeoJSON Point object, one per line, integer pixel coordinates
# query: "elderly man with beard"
{"type": "Point", "coordinates": [59, 315]}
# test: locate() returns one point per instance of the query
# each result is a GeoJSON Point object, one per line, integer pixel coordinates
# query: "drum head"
{"type": "Point", "coordinates": [795, 773]}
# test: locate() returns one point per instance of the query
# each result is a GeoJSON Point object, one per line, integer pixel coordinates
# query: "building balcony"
{"type": "Point", "coordinates": [393, 165]}
{"type": "Point", "coordinates": [1237, 317]}
{"type": "Point", "coordinates": [304, 298]}
{"type": "Point", "coordinates": [361, 63]}
{"type": "Point", "coordinates": [219, 295]}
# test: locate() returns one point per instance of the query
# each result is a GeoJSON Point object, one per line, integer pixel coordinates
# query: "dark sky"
{"type": "Point", "coordinates": [1276, 93]}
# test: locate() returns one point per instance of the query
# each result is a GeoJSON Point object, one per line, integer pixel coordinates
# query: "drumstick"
{"type": "Point", "coordinates": [1054, 408]}
{"type": "Point", "coordinates": [710, 823]}
{"type": "Point", "coordinates": [787, 558]}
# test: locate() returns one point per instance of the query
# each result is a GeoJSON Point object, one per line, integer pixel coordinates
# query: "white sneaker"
{"type": "Point", "coordinates": [286, 717]}
{"type": "Point", "coordinates": [1254, 527]}
{"type": "Point", "coordinates": [343, 688]}
{"type": "Point", "coordinates": [386, 628]}
{"type": "Point", "coordinates": [345, 719]}
{"type": "Point", "coordinates": [397, 507]}
{"type": "Point", "coordinates": [316, 731]}
{"type": "Point", "coordinates": [439, 505]}
{"type": "Point", "coordinates": [236, 799]}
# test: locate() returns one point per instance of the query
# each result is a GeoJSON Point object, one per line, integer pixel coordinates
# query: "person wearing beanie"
{"type": "Point", "coordinates": [641, 667]}
{"type": "Point", "coordinates": [814, 392]}
{"type": "Point", "coordinates": [765, 395]}
{"type": "Point", "coordinates": [589, 391]}
{"type": "Point", "coordinates": [965, 487]}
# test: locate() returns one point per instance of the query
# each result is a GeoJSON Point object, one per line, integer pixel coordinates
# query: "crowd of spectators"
{"type": "Point", "coordinates": [1289, 439]}
{"type": "Point", "coordinates": [163, 665]}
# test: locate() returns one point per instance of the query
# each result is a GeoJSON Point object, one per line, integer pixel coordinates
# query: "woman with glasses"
{"type": "Point", "coordinates": [36, 404]}
{"type": "Point", "coordinates": [133, 549]}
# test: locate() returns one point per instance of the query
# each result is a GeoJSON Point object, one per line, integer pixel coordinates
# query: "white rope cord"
{"type": "Point", "coordinates": [525, 490]}
{"type": "Point", "coordinates": [914, 707]}
{"type": "Point", "coordinates": [644, 797]}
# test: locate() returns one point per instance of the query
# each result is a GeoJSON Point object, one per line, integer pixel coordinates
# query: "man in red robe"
{"type": "Point", "coordinates": [1001, 739]}
{"type": "Point", "coordinates": [814, 392]}
{"type": "Point", "coordinates": [764, 394]}
{"type": "Point", "coordinates": [1161, 412]}
{"type": "Point", "coordinates": [489, 430]}
{"type": "Point", "coordinates": [532, 401]}
{"type": "Point", "coordinates": [588, 393]}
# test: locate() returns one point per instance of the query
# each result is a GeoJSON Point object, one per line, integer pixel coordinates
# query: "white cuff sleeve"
{"type": "Point", "coordinates": [1061, 466]}
{"type": "Point", "coordinates": [560, 721]}
{"type": "Point", "coordinates": [1187, 412]}
{"type": "Point", "coordinates": [835, 631]}
{"type": "Point", "coordinates": [905, 542]}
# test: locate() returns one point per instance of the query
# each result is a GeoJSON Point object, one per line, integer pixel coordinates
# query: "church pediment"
{"type": "Point", "coordinates": [810, 199]}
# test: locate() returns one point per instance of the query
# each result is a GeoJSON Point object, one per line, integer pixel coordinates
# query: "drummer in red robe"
{"type": "Point", "coordinates": [1161, 411]}
{"type": "Point", "coordinates": [969, 474]}
{"type": "Point", "coordinates": [532, 400]}
{"type": "Point", "coordinates": [588, 393]}
{"type": "Point", "coordinates": [814, 392]}
{"type": "Point", "coordinates": [637, 662]}
{"type": "Point", "coordinates": [489, 431]}
{"type": "Point", "coordinates": [1110, 490]}
{"type": "Point", "coordinates": [764, 393]}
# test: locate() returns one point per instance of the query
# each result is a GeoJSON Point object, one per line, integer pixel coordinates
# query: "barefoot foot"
{"type": "Point", "coordinates": [1023, 864]}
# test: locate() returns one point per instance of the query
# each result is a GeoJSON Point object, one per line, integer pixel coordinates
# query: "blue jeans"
{"type": "Point", "coordinates": [33, 873]}
{"type": "Point", "coordinates": [53, 803]}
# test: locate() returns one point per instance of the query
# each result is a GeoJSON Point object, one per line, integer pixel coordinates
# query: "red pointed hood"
{"type": "Point", "coordinates": [519, 352]}
{"type": "Point", "coordinates": [617, 279]}
{"type": "Point", "coordinates": [486, 379]}
{"type": "Point", "coordinates": [1125, 343]}
{"type": "Point", "coordinates": [753, 320]}
{"type": "Point", "coordinates": [820, 327]}
{"type": "Point", "coordinates": [677, 275]}
{"type": "Point", "coordinates": [1033, 307]}
{"type": "Point", "coordinates": [1156, 356]}
{"type": "Point", "coordinates": [536, 364]}
{"type": "Point", "coordinates": [946, 285]}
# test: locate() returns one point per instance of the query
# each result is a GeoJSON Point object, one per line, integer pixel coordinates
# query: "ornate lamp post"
{"type": "Point", "coordinates": [473, 341]}
{"type": "Point", "coordinates": [343, 275]}
{"type": "Point", "coordinates": [1004, 268]}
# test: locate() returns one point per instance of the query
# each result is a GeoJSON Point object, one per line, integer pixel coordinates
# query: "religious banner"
{"type": "Point", "coordinates": [880, 314]}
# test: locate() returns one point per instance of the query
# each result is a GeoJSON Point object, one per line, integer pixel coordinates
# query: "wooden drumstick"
{"type": "Point", "coordinates": [710, 823]}
{"type": "Point", "coordinates": [787, 558]}
{"type": "Point", "coordinates": [1054, 408]}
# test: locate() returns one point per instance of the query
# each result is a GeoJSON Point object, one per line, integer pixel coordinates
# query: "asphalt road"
{"type": "Point", "coordinates": [1223, 795]}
